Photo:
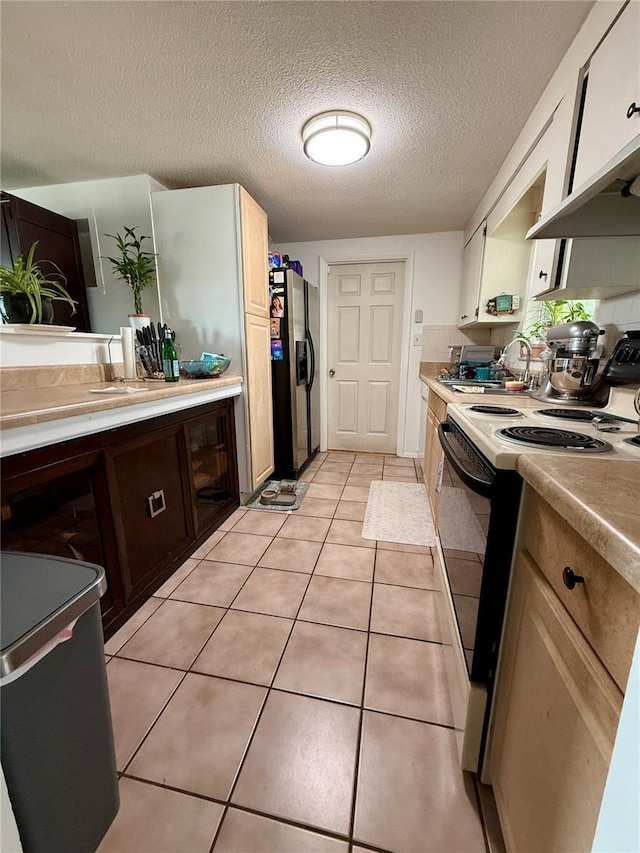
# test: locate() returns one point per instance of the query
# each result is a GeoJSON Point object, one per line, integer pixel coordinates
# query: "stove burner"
{"type": "Point", "coordinates": [554, 439]}
{"type": "Point", "coordinates": [634, 441]}
{"type": "Point", "coordinates": [567, 414]}
{"type": "Point", "coordinates": [494, 410]}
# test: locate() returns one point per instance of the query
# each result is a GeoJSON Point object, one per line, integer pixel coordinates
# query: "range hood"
{"type": "Point", "coordinates": [604, 206]}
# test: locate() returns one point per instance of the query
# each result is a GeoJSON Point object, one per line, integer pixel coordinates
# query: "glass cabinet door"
{"type": "Point", "coordinates": [212, 466]}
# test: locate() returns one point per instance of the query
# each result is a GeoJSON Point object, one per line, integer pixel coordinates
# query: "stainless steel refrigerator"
{"type": "Point", "coordinates": [295, 328]}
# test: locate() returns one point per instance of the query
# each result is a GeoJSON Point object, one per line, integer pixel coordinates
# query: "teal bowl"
{"type": "Point", "coordinates": [205, 369]}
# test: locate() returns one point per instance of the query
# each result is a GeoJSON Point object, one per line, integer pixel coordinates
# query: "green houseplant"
{"type": "Point", "coordinates": [28, 294]}
{"type": "Point", "coordinates": [133, 265]}
{"type": "Point", "coordinates": [551, 313]}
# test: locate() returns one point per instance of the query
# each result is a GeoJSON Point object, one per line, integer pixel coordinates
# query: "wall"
{"type": "Point", "coordinates": [9, 836]}
{"type": "Point", "coordinates": [435, 289]}
{"type": "Point", "coordinates": [109, 205]}
{"type": "Point", "coordinates": [618, 316]}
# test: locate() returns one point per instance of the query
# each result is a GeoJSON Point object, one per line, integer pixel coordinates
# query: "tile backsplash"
{"type": "Point", "coordinates": [617, 316]}
{"type": "Point", "coordinates": [436, 340]}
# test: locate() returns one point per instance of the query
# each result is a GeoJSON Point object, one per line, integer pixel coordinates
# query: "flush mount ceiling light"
{"type": "Point", "coordinates": [336, 138]}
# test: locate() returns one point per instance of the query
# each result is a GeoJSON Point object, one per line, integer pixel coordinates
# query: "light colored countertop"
{"type": "Point", "coordinates": [445, 393]}
{"type": "Point", "coordinates": [27, 406]}
{"type": "Point", "coordinates": [599, 498]}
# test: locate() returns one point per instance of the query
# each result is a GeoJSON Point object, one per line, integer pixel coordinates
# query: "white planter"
{"type": "Point", "coordinates": [139, 321]}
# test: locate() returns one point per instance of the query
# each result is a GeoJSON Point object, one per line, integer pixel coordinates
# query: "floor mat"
{"type": "Point", "coordinates": [398, 512]}
{"type": "Point", "coordinates": [301, 491]}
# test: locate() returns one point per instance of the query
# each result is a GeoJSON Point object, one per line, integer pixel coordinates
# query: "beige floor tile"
{"type": "Point", "coordinates": [399, 478]}
{"type": "Point", "coordinates": [198, 742]}
{"type": "Point", "coordinates": [335, 601]}
{"type": "Point", "coordinates": [157, 820]}
{"type": "Point", "coordinates": [465, 576]}
{"type": "Point", "coordinates": [176, 578]}
{"type": "Point", "coordinates": [400, 546]}
{"type": "Point", "coordinates": [137, 693]}
{"type": "Point", "coordinates": [245, 646]}
{"type": "Point", "coordinates": [325, 491]}
{"type": "Point", "coordinates": [335, 467]}
{"type": "Point", "coordinates": [325, 662]}
{"type": "Point", "coordinates": [318, 507]}
{"type": "Point", "coordinates": [233, 518]}
{"type": "Point", "coordinates": [405, 612]}
{"type": "Point", "coordinates": [204, 549]}
{"type": "Point", "coordinates": [346, 561]}
{"type": "Point", "coordinates": [351, 510]}
{"type": "Point", "coordinates": [243, 832]}
{"type": "Point", "coordinates": [408, 678]}
{"type": "Point", "coordinates": [356, 493]}
{"type": "Point", "coordinates": [275, 593]}
{"type": "Point", "coordinates": [398, 462]}
{"type": "Point", "coordinates": [300, 764]}
{"type": "Point", "coordinates": [306, 527]}
{"type": "Point", "coordinates": [341, 456]}
{"type": "Point", "coordinates": [412, 794]}
{"type": "Point", "coordinates": [362, 480]}
{"type": "Point", "coordinates": [371, 466]}
{"type": "Point", "coordinates": [131, 626]}
{"type": "Point", "coordinates": [308, 475]}
{"type": "Point", "coordinates": [212, 583]}
{"type": "Point", "coordinates": [260, 522]}
{"type": "Point", "coordinates": [174, 634]}
{"type": "Point", "coordinates": [291, 555]}
{"type": "Point", "coordinates": [403, 569]}
{"type": "Point", "coordinates": [348, 533]}
{"type": "Point", "coordinates": [243, 548]}
{"type": "Point", "coordinates": [331, 477]}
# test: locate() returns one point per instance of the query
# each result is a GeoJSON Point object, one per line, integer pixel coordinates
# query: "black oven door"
{"type": "Point", "coordinates": [477, 519]}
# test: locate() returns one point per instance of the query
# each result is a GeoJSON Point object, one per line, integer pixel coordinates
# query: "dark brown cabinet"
{"type": "Point", "coordinates": [137, 500]}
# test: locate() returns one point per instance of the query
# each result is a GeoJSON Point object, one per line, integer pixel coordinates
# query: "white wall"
{"type": "Point", "coordinates": [9, 836]}
{"type": "Point", "coordinates": [435, 289]}
{"type": "Point", "coordinates": [109, 204]}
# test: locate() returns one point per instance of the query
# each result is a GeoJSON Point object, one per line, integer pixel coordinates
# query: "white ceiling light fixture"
{"type": "Point", "coordinates": [336, 138]}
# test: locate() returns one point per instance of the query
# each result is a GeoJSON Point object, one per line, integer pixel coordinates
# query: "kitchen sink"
{"type": "Point", "coordinates": [491, 387]}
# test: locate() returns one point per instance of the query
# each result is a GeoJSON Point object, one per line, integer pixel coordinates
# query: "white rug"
{"type": "Point", "coordinates": [398, 512]}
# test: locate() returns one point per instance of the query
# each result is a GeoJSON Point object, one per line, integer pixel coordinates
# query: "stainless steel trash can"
{"type": "Point", "coordinates": [57, 747]}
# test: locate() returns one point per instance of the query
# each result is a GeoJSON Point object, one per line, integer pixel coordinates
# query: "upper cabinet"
{"type": "Point", "coordinates": [611, 117]}
{"type": "Point", "coordinates": [472, 259]}
{"type": "Point", "coordinates": [255, 269]}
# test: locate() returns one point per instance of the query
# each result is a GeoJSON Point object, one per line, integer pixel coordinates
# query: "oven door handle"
{"type": "Point", "coordinates": [478, 485]}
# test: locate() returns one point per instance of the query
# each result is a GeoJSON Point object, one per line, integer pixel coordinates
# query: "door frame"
{"type": "Point", "coordinates": [336, 259]}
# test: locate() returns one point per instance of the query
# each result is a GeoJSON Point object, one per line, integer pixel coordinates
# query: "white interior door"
{"type": "Point", "coordinates": [364, 336]}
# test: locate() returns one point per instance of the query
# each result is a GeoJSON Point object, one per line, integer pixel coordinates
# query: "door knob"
{"type": "Point", "coordinates": [332, 372]}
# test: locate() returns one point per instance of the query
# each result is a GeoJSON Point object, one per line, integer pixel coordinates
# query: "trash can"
{"type": "Point", "coordinates": [58, 756]}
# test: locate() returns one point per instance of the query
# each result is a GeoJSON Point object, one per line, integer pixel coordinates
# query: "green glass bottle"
{"type": "Point", "coordinates": [170, 358]}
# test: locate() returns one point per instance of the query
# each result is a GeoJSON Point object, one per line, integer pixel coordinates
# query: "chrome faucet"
{"type": "Point", "coordinates": [527, 370]}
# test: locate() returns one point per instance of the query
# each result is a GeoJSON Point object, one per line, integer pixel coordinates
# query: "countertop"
{"type": "Point", "coordinates": [599, 498]}
{"type": "Point", "coordinates": [28, 406]}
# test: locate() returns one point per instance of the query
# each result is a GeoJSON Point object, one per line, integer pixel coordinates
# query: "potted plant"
{"type": "Point", "coordinates": [27, 294]}
{"type": "Point", "coordinates": [551, 313]}
{"type": "Point", "coordinates": [136, 267]}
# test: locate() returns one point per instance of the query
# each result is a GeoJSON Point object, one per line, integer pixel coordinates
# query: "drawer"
{"type": "Point", "coordinates": [437, 406]}
{"type": "Point", "coordinates": [605, 607]}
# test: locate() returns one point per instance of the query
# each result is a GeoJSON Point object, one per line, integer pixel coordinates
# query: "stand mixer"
{"type": "Point", "coordinates": [570, 372]}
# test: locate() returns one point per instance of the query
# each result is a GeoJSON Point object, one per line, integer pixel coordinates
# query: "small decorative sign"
{"type": "Point", "coordinates": [499, 305]}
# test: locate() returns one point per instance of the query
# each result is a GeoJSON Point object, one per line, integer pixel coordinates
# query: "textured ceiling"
{"type": "Point", "coordinates": [198, 93]}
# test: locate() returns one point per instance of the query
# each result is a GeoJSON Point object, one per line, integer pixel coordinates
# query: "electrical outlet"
{"type": "Point", "coordinates": [516, 303]}
{"type": "Point", "coordinates": [417, 339]}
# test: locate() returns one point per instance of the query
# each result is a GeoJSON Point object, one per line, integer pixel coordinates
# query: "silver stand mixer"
{"type": "Point", "coordinates": [570, 373]}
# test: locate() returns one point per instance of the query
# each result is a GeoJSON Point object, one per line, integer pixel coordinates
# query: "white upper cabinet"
{"type": "Point", "coordinates": [472, 259]}
{"type": "Point", "coordinates": [609, 122]}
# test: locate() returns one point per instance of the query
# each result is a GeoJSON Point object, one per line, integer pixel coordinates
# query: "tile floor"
{"type": "Point", "coordinates": [284, 691]}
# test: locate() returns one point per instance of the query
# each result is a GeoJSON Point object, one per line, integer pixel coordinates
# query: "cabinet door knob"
{"type": "Point", "coordinates": [464, 317]}
{"type": "Point", "coordinates": [570, 578]}
{"type": "Point", "coordinates": [543, 274]}
{"type": "Point", "coordinates": [633, 108]}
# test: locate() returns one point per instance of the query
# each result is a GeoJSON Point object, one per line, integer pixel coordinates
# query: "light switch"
{"type": "Point", "coordinates": [417, 317]}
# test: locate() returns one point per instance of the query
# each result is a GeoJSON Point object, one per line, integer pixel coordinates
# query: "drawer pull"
{"type": "Point", "coordinates": [156, 503]}
{"type": "Point", "coordinates": [633, 109]}
{"type": "Point", "coordinates": [570, 578]}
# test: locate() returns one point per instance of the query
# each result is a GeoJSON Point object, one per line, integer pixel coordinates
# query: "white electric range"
{"type": "Point", "coordinates": [480, 492]}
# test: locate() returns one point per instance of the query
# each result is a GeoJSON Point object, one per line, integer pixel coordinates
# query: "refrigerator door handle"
{"type": "Point", "coordinates": [312, 369]}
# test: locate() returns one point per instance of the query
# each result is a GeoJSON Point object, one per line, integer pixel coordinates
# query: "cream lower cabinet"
{"type": "Point", "coordinates": [260, 401]}
{"type": "Point", "coordinates": [436, 412]}
{"type": "Point", "coordinates": [565, 657]}
{"type": "Point", "coordinates": [558, 715]}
